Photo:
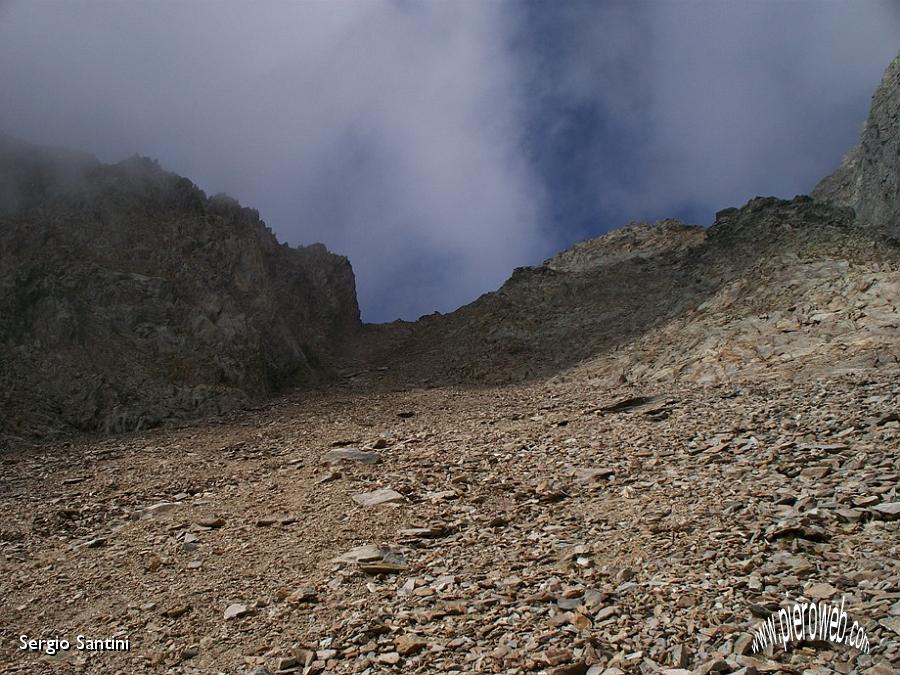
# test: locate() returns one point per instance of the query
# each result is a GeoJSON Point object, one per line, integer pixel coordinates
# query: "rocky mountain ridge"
{"type": "Point", "coordinates": [130, 298]}
{"type": "Point", "coordinates": [868, 179]}
{"type": "Point", "coordinates": [770, 286]}
{"type": "Point", "coordinates": [623, 461]}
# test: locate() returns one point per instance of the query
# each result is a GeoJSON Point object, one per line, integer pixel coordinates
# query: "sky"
{"type": "Point", "coordinates": [440, 144]}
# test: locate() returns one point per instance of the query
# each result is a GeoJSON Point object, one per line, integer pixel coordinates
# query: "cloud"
{"type": "Point", "coordinates": [441, 144]}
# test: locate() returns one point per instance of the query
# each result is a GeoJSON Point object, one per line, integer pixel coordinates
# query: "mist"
{"type": "Point", "coordinates": [440, 145]}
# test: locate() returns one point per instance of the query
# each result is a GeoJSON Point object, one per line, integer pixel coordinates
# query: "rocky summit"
{"type": "Point", "coordinates": [129, 298]}
{"type": "Point", "coordinates": [627, 459]}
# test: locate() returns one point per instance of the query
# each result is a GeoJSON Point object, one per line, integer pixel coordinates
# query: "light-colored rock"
{"type": "Point", "coordinates": [158, 509]}
{"type": "Point", "coordinates": [820, 591]}
{"type": "Point", "coordinates": [235, 611]}
{"type": "Point", "coordinates": [351, 455]}
{"type": "Point", "coordinates": [378, 497]}
{"type": "Point", "coordinates": [389, 658]}
{"type": "Point", "coordinates": [888, 511]}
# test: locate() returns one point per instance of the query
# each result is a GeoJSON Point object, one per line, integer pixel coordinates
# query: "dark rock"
{"type": "Point", "coordinates": [131, 298]}
{"type": "Point", "coordinates": [868, 179]}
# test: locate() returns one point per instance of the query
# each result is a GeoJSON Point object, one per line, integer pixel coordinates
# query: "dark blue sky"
{"type": "Point", "coordinates": [441, 144]}
{"type": "Point", "coordinates": [574, 145]}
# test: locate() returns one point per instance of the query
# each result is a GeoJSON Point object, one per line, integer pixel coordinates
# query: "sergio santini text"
{"type": "Point", "coordinates": [82, 643]}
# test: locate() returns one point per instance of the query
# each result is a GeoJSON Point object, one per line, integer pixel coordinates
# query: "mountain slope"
{"type": "Point", "coordinates": [772, 286]}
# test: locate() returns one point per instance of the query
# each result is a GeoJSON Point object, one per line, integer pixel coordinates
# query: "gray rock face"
{"type": "Point", "coordinates": [868, 179]}
{"type": "Point", "coordinates": [127, 297]}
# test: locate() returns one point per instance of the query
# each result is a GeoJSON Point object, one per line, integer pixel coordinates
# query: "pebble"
{"type": "Point", "coordinates": [409, 644]}
{"type": "Point", "coordinates": [888, 511]}
{"type": "Point", "coordinates": [212, 523]}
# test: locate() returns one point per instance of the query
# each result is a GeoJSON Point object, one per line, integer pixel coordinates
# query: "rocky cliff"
{"type": "Point", "coordinates": [868, 179]}
{"type": "Point", "coordinates": [708, 433]}
{"type": "Point", "coordinates": [128, 297]}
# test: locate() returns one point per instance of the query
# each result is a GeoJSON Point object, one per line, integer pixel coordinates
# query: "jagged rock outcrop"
{"type": "Point", "coordinates": [868, 179]}
{"type": "Point", "coordinates": [823, 302]}
{"type": "Point", "coordinates": [129, 298]}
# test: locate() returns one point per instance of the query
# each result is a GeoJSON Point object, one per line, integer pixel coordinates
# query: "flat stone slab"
{"type": "Point", "coordinates": [821, 591]}
{"type": "Point", "coordinates": [429, 532]}
{"type": "Point", "coordinates": [588, 474]}
{"type": "Point", "coordinates": [382, 496]}
{"type": "Point", "coordinates": [635, 403]}
{"type": "Point", "coordinates": [235, 611]}
{"type": "Point", "coordinates": [157, 509]}
{"type": "Point", "coordinates": [383, 567]}
{"type": "Point", "coordinates": [350, 455]}
{"type": "Point", "coordinates": [888, 511]}
{"type": "Point", "coordinates": [374, 560]}
{"type": "Point", "coordinates": [365, 553]}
